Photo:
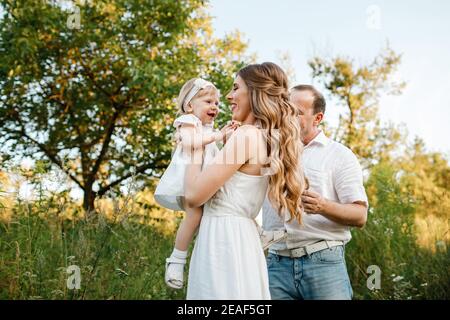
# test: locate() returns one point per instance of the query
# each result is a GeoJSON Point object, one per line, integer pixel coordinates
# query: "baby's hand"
{"type": "Point", "coordinates": [228, 129]}
{"type": "Point", "coordinates": [177, 137]}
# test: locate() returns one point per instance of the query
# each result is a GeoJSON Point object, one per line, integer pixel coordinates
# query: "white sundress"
{"type": "Point", "coordinates": [170, 188]}
{"type": "Point", "coordinates": [228, 261]}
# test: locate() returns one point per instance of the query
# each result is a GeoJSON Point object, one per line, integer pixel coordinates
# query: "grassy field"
{"type": "Point", "coordinates": [410, 248]}
{"type": "Point", "coordinates": [121, 252]}
{"type": "Point", "coordinates": [117, 261]}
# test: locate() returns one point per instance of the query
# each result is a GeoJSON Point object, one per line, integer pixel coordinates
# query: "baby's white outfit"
{"type": "Point", "coordinates": [170, 189]}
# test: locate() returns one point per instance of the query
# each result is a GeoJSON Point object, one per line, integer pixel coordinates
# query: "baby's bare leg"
{"type": "Point", "coordinates": [175, 263]}
{"type": "Point", "coordinates": [188, 227]}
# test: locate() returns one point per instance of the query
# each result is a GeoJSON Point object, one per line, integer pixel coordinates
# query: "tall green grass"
{"type": "Point", "coordinates": [122, 256]}
{"type": "Point", "coordinates": [116, 260]}
{"type": "Point", "coordinates": [389, 241]}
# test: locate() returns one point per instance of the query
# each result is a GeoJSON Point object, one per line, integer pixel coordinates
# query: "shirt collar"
{"type": "Point", "coordinates": [321, 139]}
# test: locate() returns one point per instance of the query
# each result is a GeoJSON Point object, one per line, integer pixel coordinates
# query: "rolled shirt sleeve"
{"type": "Point", "coordinates": [348, 179]}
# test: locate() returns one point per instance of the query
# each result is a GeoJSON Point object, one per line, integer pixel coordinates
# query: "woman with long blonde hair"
{"type": "Point", "coordinates": [262, 156]}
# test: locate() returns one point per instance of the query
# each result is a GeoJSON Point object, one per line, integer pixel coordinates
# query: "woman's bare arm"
{"type": "Point", "coordinates": [200, 186]}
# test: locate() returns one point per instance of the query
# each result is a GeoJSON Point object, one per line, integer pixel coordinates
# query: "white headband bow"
{"type": "Point", "coordinates": [198, 85]}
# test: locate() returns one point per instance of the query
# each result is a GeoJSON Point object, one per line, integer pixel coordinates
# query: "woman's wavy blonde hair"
{"type": "Point", "coordinates": [269, 101]}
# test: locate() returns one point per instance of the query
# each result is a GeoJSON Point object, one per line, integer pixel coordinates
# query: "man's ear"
{"type": "Point", "coordinates": [318, 118]}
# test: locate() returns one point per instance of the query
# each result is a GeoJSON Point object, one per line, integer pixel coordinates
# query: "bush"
{"type": "Point", "coordinates": [389, 241]}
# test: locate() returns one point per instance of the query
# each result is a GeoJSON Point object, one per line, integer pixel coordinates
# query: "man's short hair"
{"type": "Point", "coordinates": [319, 102]}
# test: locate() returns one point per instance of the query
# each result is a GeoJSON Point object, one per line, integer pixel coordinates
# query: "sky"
{"type": "Point", "coordinates": [419, 30]}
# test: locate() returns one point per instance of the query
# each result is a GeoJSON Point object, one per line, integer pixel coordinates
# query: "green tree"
{"type": "Point", "coordinates": [358, 89]}
{"type": "Point", "coordinates": [98, 101]}
{"type": "Point", "coordinates": [425, 176]}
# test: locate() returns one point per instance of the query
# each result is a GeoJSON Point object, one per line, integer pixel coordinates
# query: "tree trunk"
{"type": "Point", "coordinates": [88, 201]}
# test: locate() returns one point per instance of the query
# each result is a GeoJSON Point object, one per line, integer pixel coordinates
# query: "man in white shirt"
{"type": "Point", "coordinates": [310, 264]}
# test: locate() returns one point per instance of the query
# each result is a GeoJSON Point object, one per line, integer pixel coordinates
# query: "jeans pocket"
{"type": "Point", "coordinates": [270, 260]}
{"type": "Point", "coordinates": [331, 255]}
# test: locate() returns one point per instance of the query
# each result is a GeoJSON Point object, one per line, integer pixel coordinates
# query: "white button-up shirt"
{"type": "Point", "coordinates": [334, 172]}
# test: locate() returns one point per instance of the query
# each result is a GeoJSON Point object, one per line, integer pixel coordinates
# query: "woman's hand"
{"type": "Point", "coordinates": [228, 130]}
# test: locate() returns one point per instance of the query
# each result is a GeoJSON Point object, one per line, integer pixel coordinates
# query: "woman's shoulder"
{"type": "Point", "coordinates": [251, 139]}
{"type": "Point", "coordinates": [248, 130]}
{"type": "Point", "coordinates": [249, 136]}
{"type": "Point", "coordinates": [186, 119]}
{"type": "Point", "coordinates": [244, 128]}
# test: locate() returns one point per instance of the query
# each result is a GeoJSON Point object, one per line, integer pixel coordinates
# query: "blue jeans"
{"type": "Point", "coordinates": [320, 276]}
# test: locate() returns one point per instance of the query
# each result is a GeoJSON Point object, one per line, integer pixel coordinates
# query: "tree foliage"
{"type": "Point", "coordinates": [98, 101]}
{"type": "Point", "coordinates": [357, 89]}
{"type": "Point", "coordinates": [424, 176]}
